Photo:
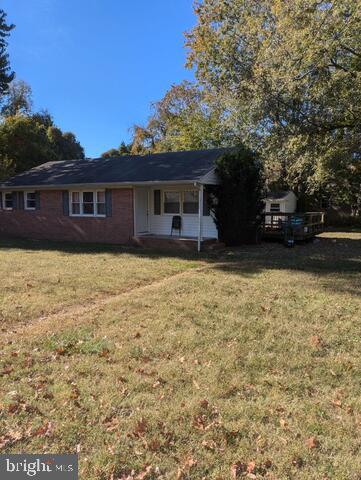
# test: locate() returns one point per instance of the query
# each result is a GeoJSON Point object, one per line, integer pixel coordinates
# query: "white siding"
{"type": "Point", "coordinates": [210, 178]}
{"type": "Point", "coordinates": [161, 224]}
{"type": "Point", "coordinates": [288, 203]}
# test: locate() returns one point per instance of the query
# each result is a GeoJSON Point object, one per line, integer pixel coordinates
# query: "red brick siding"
{"type": "Point", "coordinates": [49, 222]}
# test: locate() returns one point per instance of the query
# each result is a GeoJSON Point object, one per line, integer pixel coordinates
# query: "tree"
{"type": "Point", "coordinates": [18, 99]}
{"type": "Point", "coordinates": [65, 145]}
{"type": "Point", "coordinates": [6, 76]}
{"type": "Point", "coordinates": [288, 74]}
{"type": "Point", "coordinates": [23, 145]}
{"type": "Point", "coordinates": [237, 200]}
{"type": "Point", "coordinates": [116, 152]}
{"type": "Point", "coordinates": [182, 120]}
{"type": "Point", "coordinates": [28, 141]}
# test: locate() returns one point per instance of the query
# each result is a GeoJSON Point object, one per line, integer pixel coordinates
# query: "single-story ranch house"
{"type": "Point", "coordinates": [114, 200]}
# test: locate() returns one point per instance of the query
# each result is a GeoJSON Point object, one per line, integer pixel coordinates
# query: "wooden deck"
{"type": "Point", "coordinates": [300, 226]}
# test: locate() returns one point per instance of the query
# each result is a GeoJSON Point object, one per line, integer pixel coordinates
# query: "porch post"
{"type": "Point", "coordinates": [200, 216]}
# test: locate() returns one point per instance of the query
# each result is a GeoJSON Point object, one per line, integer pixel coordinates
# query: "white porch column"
{"type": "Point", "coordinates": [200, 216]}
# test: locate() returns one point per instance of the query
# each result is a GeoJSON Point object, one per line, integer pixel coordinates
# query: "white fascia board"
{"type": "Point", "coordinates": [72, 186]}
{"type": "Point", "coordinates": [209, 178]}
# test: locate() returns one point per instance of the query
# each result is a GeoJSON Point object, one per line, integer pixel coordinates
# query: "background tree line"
{"type": "Point", "coordinates": [283, 78]}
{"type": "Point", "coordinates": [280, 78]}
{"type": "Point", "coordinates": [27, 138]}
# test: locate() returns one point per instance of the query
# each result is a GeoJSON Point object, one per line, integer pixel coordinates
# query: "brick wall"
{"type": "Point", "coordinates": [49, 222]}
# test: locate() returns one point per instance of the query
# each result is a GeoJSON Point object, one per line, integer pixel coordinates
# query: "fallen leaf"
{"type": "Point", "coordinates": [315, 341]}
{"type": "Point", "coordinates": [7, 371]}
{"type": "Point", "coordinates": [312, 442]}
{"type": "Point", "coordinates": [140, 428]}
{"type": "Point", "coordinates": [251, 466]}
{"type": "Point", "coordinates": [191, 462]}
{"type": "Point", "coordinates": [143, 475]}
{"type": "Point", "coordinates": [13, 407]}
{"type": "Point", "coordinates": [45, 430]}
{"type": "Point", "coordinates": [283, 423]}
{"type": "Point", "coordinates": [209, 445]}
{"type": "Point", "coordinates": [104, 353]}
{"type": "Point", "coordinates": [196, 384]}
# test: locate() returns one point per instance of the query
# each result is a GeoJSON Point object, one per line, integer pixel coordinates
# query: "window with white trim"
{"type": "Point", "coordinates": [87, 203]}
{"type": "Point", "coordinates": [8, 203]}
{"type": "Point", "coordinates": [30, 200]}
{"type": "Point", "coordinates": [275, 207]}
{"type": "Point", "coordinates": [191, 201]}
{"type": "Point", "coordinates": [171, 202]}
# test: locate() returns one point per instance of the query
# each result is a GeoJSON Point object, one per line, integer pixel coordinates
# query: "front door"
{"type": "Point", "coordinates": [141, 210]}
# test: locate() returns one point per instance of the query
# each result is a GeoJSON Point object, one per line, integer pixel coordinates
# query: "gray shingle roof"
{"type": "Point", "coordinates": [278, 195]}
{"type": "Point", "coordinates": [160, 167]}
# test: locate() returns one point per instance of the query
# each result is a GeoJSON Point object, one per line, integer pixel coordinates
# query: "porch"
{"type": "Point", "coordinates": [174, 242]}
{"type": "Point", "coordinates": [154, 210]}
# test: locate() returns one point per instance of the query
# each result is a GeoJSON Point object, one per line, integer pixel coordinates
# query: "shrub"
{"type": "Point", "coordinates": [237, 200]}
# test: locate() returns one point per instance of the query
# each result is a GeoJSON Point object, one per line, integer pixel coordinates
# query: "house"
{"type": "Point", "coordinates": [118, 200]}
{"type": "Point", "coordinates": [281, 202]}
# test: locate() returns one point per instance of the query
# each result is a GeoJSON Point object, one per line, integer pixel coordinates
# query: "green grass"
{"type": "Point", "coordinates": [38, 279]}
{"type": "Point", "coordinates": [246, 363]}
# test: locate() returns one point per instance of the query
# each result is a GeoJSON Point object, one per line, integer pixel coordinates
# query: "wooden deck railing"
{"type": "Point", "coordinates": [303, 225]}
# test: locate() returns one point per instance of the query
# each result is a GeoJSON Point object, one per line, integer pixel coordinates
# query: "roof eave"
{"type": "Point", "coordinates": [99, 185]}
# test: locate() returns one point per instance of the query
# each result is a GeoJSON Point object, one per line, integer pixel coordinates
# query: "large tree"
{"type": "Point", "coordinates": [18, 99]}
{"type": "Point", "coordinates": [6, 75]}
{"type": "Point", "coordinates": [288, 75]}
{"type": "Point", "coordinates": [30, 140]}
{"type": "Point", "coordinates": [23, 144]}
{"type": "Point", "coordinates": [181, 120]}
{"type": "Point", "coordinates": [64, 144]}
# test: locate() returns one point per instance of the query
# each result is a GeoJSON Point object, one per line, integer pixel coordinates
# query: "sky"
{"type": "Point", "coordinates": [97, 65]}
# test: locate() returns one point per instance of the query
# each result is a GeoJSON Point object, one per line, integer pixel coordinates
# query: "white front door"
{"type": "Point", "coordinates": [141, 210]}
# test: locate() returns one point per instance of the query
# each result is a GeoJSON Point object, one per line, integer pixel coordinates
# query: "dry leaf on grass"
{"type": "Point", "coordinates": [251, 466]}
{"type": "Point", "coordinates": [283, 423]}
{"type": "Point", "coordinates": [140, 428]}
{"type": "Point", "coordinates": [315, 341]}
{"type": "Point", "coordinates": [46, 429]}
{"type": "Point", "coordinates": [143, 475]}
{"type": "Point", "coordinates": [196, 384]}
{"type": "Point", "coordinates": [312, 442]}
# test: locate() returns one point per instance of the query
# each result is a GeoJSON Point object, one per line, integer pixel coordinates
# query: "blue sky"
{"type": "Point", "coordinates": [96, 65]}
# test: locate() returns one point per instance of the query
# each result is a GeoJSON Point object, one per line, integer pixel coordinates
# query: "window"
{"type": "Point", "coordinates": [87, 204]}
{"type": "Point", "coordinates": [275, 207]}
{"type": "Point", "coordinates": [171, 202]}
{"type": "Point", "coordinates": [190, 202]}
{"type": "Point", "coordinates": [8, 201]}
{"type": "Point", "coordinates": [30, 201]}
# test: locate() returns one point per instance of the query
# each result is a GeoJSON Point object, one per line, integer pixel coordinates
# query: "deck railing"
{"type": "Point", "coordinates": [304, 225]}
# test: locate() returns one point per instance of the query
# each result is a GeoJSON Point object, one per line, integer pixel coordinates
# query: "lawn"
{"type": "Point", "coordinates": [241, 365]}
